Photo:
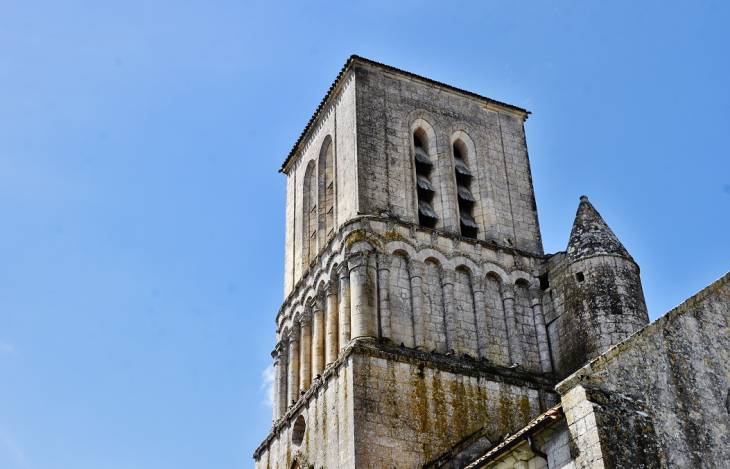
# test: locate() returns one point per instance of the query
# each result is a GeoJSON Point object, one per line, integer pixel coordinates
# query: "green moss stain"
{"type": "Point", "coordinates": [358, 236]}
{"type": "Point", "coordinates": [393, 234]}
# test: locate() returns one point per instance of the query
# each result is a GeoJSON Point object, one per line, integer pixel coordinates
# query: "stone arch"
{"type": "Point", "coordinates": [326, 191]}
{"type": "Point", "coordinates": [432, 312]}
{"type": "Point", "coordinates": [466, 174]}
{"type": "Point", "coordinates": [522, 282]}
{"type": "Point", "coordinates": [465, 262]}
{"type": "Point", "coordinates": [527, 331]}
{"type": "Point", "coordinates": [426, 177]}
{"type": "Point", "coordinates": [400, 296]}
{"type": "Point", "coordinates": [523, 277]}
{"type": "Point", "coordinates": [298, 430]}
{"type": "Point", "coordinates": [402, 246]}
{"type": "Point", "coordinates": [422, 128]}
{"type": "Point", "coordinates": [497, 271]}
{"type": "Point", "coordinates": [430, 253]}
{"type": "Point", "coordinates": [465, 310]}
{"type": "Point", "coordinates": [497, 349]}
{"type": "Point", "coordinates": [309, 215]}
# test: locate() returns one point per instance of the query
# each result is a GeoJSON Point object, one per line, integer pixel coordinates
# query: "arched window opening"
{"type": "Point", "coordinates": [309, 215]}
{"type": "Point", "coordinates": [326, 191]}
{"type": "Point", "coordinates": [297, 432]}
{"type": "Point", "coordinates": [466, 200]}
{"type": "Point", "coordinates": [426, 215]}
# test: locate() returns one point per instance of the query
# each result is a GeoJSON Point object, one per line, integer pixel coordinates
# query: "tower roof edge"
{"type": "Point", "coordinates": [357, 60]}
{"type": "Point", "coordinates": [591, 235]}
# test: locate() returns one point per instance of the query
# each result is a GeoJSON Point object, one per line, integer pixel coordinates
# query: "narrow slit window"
{"type": "Point", "coordinates": [466, 200]}
{"type": "Point", "coordinates": [426, 214]}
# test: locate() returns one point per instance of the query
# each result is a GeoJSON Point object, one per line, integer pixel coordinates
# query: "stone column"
{"type": "Point", "coordinates": [362, 296]}
{"type": "Point", "coordinates": [277, 371]}
{"type": "Point", "coordinates": [384, 296]}
{"type": "Point", "coordinates": [542, 338]}
{"type": "Point", "coordinates": [318, 335]}
{"type": "Point", "coordinates": [331, 348]}
{"type": "Point", "coordinates": [419, 333]}
{"type": "Point", "coordinates": [344, 306]}
{"type": "Point", "coordinates": [513, 335]}
{"type": "Point", "coordinates": [480, 315]}
{"type": "Point", "coordinates": [293, 381]}
{"type": "Point", "coordinates": [450, 322]}
{"type": "Point", "coordinates": [305, 376]}
{"type": "Point", "coordinates": [281, 385]}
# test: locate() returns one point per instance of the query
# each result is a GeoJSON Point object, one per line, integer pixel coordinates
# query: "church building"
{"type": "Point", "coordinates": [423, 326]}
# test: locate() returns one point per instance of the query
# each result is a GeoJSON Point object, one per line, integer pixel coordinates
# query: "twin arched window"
{"type": "Point", "coordinates": [463, 176]}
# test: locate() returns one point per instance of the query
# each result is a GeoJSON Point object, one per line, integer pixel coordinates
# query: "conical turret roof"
{"type": "Point", "coordinates": [591, 235]}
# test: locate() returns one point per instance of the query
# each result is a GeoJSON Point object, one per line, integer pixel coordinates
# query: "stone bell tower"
{"type": "Point", "coordinates": [414, 321]}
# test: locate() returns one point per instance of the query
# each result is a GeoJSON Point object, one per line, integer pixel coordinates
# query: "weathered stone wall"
{"type": "Point", "coordinates": [592, 304]}
{"type": "Point", "coordinates": [430, 291]}
{"type": "Point", "coordinates": [666, 388]}
{"type": "Point", "coordinates": [558, 447]}
{"type": "Point", "coordinates": [412, 406]}
{"type": "Point", "coordinates": [467, 334]}
{"type": "Point", "coordinates": [337, 125]}
{"type": "Point", "coordinates": [328, 436]}
{"type": "Point", "coordinates": [389, 104]}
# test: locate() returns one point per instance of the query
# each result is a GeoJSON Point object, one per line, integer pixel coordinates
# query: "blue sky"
{"type": "Point", "coordinates": [141, 254]}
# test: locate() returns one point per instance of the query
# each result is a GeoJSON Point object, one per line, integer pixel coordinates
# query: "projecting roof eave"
{"type": "Point", "coordinates": [354, 59]}
{"type": "Point", "coordinates": [514, 440]}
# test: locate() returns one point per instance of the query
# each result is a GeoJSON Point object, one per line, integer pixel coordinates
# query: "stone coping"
{"type": "Point", "coordinates": [370, 347]}
{"type": "Point", "coordinates": [511, 442]}
{"type": "Point", "coordinates": [357, 60]}
{"type": "Point", "coordinates": [652, 328]}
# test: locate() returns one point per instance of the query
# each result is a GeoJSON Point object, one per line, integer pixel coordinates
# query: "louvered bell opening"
{"type": "Point", "coordinates": [424, 183]}
{"type": "Point", "coordinates": [468, 220]}
{"type": "Point", "coordinates": [464, 194]}
{"type": "Point", "coordinates": [461, 167]}
{"type": "Point", "coordinates": [425, 209]}
{"type": "Point", "coordinates": [422, 157]}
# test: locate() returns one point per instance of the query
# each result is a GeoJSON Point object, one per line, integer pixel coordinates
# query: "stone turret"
{"type": "Point", "coordinates": [596, 291]}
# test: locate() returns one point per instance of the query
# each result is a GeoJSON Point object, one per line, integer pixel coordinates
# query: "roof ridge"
{"type": "Point", "coordinates": [355, 58]}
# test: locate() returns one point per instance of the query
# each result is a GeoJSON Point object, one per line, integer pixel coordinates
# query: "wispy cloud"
{"type": "Point", "coordinates": [267, 385]}
{"type": "Point", "coordinates": [8, 347]}
{"type": "Point", "coordinates": [9, 443]}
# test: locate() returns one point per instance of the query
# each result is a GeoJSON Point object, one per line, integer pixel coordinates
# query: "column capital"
{"type": "Point", "coordinates": [358, 259]}
{"type": "Point", "coordinates": [384, 261]}
{"type": "Point", "coordinates": [415, 268]}
{"type": "Point", "coordinates": [447, 276]}
{"type": "Point", "coordinates": [343, 271]}
{"type": "Point", "coordinates": [535, 297]}
{"type": "Point", "coordinates": [294, 334]}
{"type": "Point", "coordinates": [305, 319]}
{"type": "Point", "coordinates": [507, 290]}
{"type": "Point", "coordinates": [477, 283]}
{"type": "Point", "coordinates": [318, 303]}
{"type": "Point", "coordinates": [331, 287]}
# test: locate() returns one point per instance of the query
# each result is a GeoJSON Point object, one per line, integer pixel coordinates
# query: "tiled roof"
{"type": "Point", "coordinates": [513, 440]}
{"type": "Point", "coordinates": [357, 59]}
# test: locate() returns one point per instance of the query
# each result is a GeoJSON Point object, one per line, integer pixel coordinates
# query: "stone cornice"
{"type": "Point", "coordinates": [357, 229]}
{"type": "Point", "coordinates": [343, 77]}
{"type": "Point", "coordinates": [367, 347]}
